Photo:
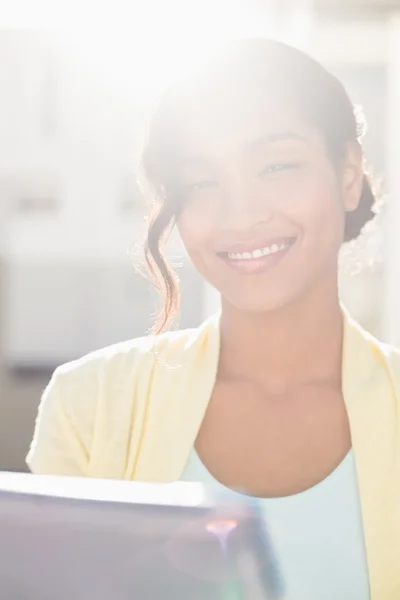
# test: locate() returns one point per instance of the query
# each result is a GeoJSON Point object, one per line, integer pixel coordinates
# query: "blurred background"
{"type": "Point", "coordinates": [76, 88]}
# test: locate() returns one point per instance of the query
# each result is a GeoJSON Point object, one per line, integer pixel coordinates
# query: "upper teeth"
{"type": "Point", "coordinates": [257, 253]}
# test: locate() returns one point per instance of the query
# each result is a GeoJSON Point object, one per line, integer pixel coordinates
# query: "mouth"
{"type": "Point", "coordinates": [257, 260]}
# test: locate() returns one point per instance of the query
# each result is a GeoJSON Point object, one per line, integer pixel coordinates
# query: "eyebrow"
{"type": "Point", "coordinates": [273, 138]}
{"type": "Point", "coordinates": [252, 146]}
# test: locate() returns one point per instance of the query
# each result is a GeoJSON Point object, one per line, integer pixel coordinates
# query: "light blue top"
{"type": "Point", "coordinates": [317, 535]}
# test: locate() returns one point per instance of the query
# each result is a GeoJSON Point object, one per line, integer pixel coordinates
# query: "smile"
{"type": "Point", "coordinates": [260, 259]}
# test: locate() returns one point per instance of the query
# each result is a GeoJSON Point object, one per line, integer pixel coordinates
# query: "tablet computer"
{"type": "Point", "coordinates": [81, 539]}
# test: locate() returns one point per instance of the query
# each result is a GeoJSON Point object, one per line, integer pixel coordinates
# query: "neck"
{"type": "Point", "coordinates": [297, 343]}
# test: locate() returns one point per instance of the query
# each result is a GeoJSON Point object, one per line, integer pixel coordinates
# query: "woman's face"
{"type": "Point", "coordinates": [263, 204]}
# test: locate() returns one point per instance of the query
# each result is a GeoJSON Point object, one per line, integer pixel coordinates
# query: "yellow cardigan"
{"type": "Point", "coordinates": [132, 411]}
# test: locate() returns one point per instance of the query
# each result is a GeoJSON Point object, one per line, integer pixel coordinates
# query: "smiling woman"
{"type": "Point", "coordinates": [257, 160]}
{"type": "Point", "coordinates": [266, 145]}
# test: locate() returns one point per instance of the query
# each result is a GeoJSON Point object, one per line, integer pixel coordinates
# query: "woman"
{"type": "Point", "coordinates": [257, 160]}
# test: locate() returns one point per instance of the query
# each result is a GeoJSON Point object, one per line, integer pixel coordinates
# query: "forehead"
{"type": "Point", "coordinates": [230, 118]}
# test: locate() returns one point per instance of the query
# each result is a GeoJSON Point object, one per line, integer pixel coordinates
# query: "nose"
{"type": "Point", "coordinates": [243, 208]}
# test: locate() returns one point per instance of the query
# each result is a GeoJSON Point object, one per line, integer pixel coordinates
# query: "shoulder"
{"type": "Point", "coordinates": [383, 353]}
{"type": "Point", "coordinates": [134, 356]}
{"type": "Point", "coordinates": [118, 379]}
{"type": "Point", "coordinates": [95, 403]}
{"type": "Point", "coordinates": [124, 357]}
{"type": "Point", "coordinates": [390, 353]}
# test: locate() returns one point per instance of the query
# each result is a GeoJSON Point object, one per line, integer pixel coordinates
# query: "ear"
{"type": "Point", "coordinates": [353, 177]}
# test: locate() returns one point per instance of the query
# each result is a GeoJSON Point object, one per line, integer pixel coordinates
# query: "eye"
{"type": "Point", "coordinates": [200, 186]}
{"type": "Point", "coordinates": [278, 167]}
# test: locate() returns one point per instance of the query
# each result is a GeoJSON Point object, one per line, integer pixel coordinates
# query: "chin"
{"type": "Point", "coordinates": [257, 304]}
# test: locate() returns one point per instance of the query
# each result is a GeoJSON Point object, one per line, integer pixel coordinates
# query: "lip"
{"type": "Point", "coordinates": [252, 266]}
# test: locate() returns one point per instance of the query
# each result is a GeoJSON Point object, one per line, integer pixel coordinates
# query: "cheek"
{"type": "Point", "coordinates": [196, 228]}
{"type": "Point", "coordinates": [318, 210]}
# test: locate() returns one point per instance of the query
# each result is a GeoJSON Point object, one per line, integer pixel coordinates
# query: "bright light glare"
{"type": "Point", "coordinates": [153, 42]}
{"type": "Point", "coordinates": [136, 46]}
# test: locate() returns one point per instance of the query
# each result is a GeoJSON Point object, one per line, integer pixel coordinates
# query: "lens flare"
{"type": "Point", "coordinates": [222, 529]}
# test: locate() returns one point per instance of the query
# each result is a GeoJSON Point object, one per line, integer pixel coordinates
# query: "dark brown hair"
{"type": "Point", "coordinates": [320, 99]}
